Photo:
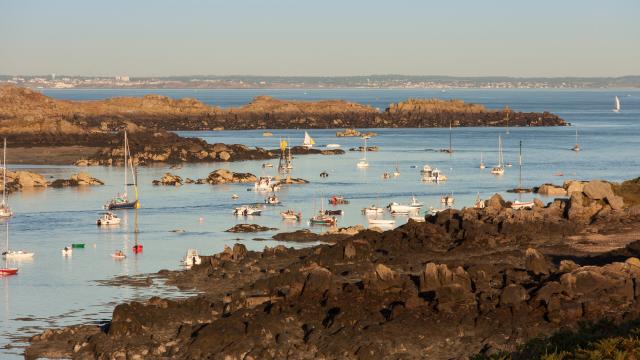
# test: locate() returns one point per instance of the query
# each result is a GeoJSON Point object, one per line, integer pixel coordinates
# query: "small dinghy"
{"type": "Point", "coordinates": [77, 246]}
{"type": "Point", "coordinates": [108, 218]}
{"type": "Point", "coordinates": [291, 215]}
{"type": "Point", "coordinates": [519, 205]}
{"type": "Point", "coordinates": [417, 218]}
{"type": "Point", "coordinates": [67, 251]}
{"type": "Point", "coordinates": [338, 200]}
{"type": "Point", "coordinates": [191, 258]}
{"type": "Point", "coordinates": [137, 248]}
{"type": "Point", "coordinates": [272, 200]}
{"type": "Point", "coordinates": [332, 146]}
{"type": "Point", "coordinates": [333, 212]}
{"type": "Point", "coordinates": [235, 197]}
{"type": "Point", "coordinates": [118, 255]}
{"type": "Point", "coordinates": [267, 165]}
{"type": "Point", "coordinates": [372, 210]}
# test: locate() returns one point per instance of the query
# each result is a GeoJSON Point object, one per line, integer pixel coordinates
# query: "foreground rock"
{"type": "Point", "coordinates": [463, 282]}
{"type": "Point", "coordinates": [24, 180]}
{"type": "Point", "coordinates": [79, 179]}
{"type": "Point", "coordinates": [249, 228]}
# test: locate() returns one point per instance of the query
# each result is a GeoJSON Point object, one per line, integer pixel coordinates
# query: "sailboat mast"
{"type": "Point", "coordinates": [365, 148]}
{"type": "Point", "coordinates": [126, 165]}
{"type": "Point", "coordinates": [450, 148]}
{"type": "Point", "coordinates": [520, 160]}
{"type": "Point", "coordinates": [4, 172]}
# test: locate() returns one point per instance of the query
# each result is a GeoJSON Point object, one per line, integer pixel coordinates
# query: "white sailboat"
{"type": "Point", "coordinates": [499, 169]}
{"type": "Point", "coordinates": [576, 147]}
{"type": "Point", "coordinates": [5, 210]}
{"type": "Point", "coordinates": [482, 165]}
{"type": "Point", "coordinates": [14, 254]}
{"type": "Point", "coordinates": [6, 270]}
{"type": "Point", "coordinates": [363, 163]}
{"type": "Point", "coordinates": [616, 106]}
{"type": "Point", "coordinates": [308, 141]}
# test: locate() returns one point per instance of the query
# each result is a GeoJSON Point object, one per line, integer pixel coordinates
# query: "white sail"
{"type": "Point", "coordinates": [617, 105]}
{"type": "Point", "coordinates": [308, 141]}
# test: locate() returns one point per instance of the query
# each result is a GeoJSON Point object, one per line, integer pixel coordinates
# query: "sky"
{"type": "Point", "coordinates": [320, 38]}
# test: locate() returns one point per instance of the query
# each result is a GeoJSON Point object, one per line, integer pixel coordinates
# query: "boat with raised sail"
{"type": "Point", "coordinates": [308, 141]}
{"type": "Point", "coordinates": [499, 169]}
{"type": "Point", "coordinates": [576, 147]}
{"type": "Point", "coordinates": [5, 210]}
{"type": "Point", "coordinates": [363, 163]}
{"type": "Point", "coordinates": [121, 201]}
{"type": "Point", "coordinates": [616, 105]}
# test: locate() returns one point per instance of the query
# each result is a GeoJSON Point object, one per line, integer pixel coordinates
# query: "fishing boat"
{"type": "Point", "coordinates": [334, 212]}
{"type": "Point", "coordinates": [247, 211]}
{"type": "Point", "coordinates": [121, 201]}
{"type": "Point", "coordinates": [372, 210]}
{"type": "Point", "coordinates": [108, 218]}
{"type": "Point", "coordinates": [499, 169]}
{"type": "Point", "coordinates": [482, 165]}
{"type": "Point", "coordinates": [308, 141]}
{"type": "Point", "coordinates": [518, 205]}
{"type": "Point", "coordinates": [5, 210]}
{"type": "Point", "coordinates": [616, 105]}
{"type": "Point", "coordinates": [447, 200]}
{"type": "Point", "coordinates": [434, 175]}
{"type": "Point", "coordinates": [191, 258]}
{"type": "Point", "coordinates": [266, 183]}
{"type": "Point", "coordinates": [291, 215]}
{"type": "Point", "coordinates": [272, 200]}
{"type": "Point", "coordinates": [381, 222]}
{"type": "Point", "coordinates": [363, 163]}
{"type": "Point", "coordinates": [67, 251]}
{"type": "Point", "coordinates": [338, 200]}
{"type": "Point", "coordinates": [118, 255]}
{"type": "Point", "coordinates": [332, 146]}
{"type": "Point", "coordinates": [322, 219]}
{"type": "Point", "coordinates": [576, 147]}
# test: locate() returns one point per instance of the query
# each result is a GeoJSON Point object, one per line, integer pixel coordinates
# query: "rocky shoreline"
{"type": "Point", "coordinates": [464, 282]}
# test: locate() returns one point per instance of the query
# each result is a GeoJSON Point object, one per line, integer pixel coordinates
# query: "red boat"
{"type": "Point", "coordinates": [8, 271]}
{"type": "Point", "coordinates": [137, 249]}
{"type": "Point", "coordinates": [338, 200]}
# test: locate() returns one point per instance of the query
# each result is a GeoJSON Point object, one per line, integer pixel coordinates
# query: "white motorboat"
{"type": "Point", "coordinates": [518, 205]}
{"type": "Point", "coordinates": [435, 211]}
{"type": "Point", "coordinates": [372, 210]}
{"type": "Point", "coordinates": [108, 218]}
{"type": "Point", "coordinates": [399, 209]}
{"type": "Point", "coordinates": [247, 210]}
{"type": "Point", "coordinates": [191, 258]}
{"type": "Point", "coordinates": [267, 165]}
{"type": "Point", "coordinates": [415, 203]}
{"type": "Point", "coordinates": [383, 222]}
{"type": "Point", "coordinates": [396, 172]}
{"type": "Point", "coordinates": [67, 251]}
{"type": "Point", "coordinates": [291, 215]}
{"type": "Point", "coordinates": [308, 141]}
{"type": "Point", "coordinates": [433, 175]}
{"type": "Point", "coordinates": [272, 200]}
{"type": "Point", "coordinates": [266, 183]}
{"type": "Point", "coordinates": [417, 218]}
{"type": "Point", "coordinates": [616, 105]}
{"type": "Point", "coordinates": [5, 210]}
{"type": "Point", "coordinates": [235, 196]}
{"type": "Point", "coordinates": [499, 169]}
{"type": "Point", "coordinates": [426, 169]}
{"type": "Point", "coordinates": [332, 146]}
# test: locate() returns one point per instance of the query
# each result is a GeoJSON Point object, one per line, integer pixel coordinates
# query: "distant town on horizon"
{"type": "Point", "coordinates": [55, 81]}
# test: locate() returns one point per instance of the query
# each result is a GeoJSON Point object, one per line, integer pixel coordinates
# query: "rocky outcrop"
{"type": "Point", "coordinates": [169, 179]}
{"type": "Point", "coordinates": [551, 190]}
{"type": "Point", "coordinates": [354, 133]}
{"type": "Point", "coordinates": [24, 180]}
{"type": "Point", "coordinates": [248, 228]}
{"type": "Point", "coordinates": [79, 179]}
{"type": "Point", "coordinates": [361, 148]}
{"type": "Point", "coordinates": [223, 176]}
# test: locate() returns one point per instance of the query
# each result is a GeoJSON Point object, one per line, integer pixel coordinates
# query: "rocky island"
{"type": "Point", "coordinates": [50, 131]}
{"type": "Point", "coordinates": [470, 282]}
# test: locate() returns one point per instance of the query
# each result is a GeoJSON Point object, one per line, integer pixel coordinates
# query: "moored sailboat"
{"type": "Point", "coordinates": [363, 163]}
{"type": "Point", "coordinates": [121, 201]}
{"type": "Point", "coordinates": [14, 254]}
{"type": "Point", "coordinates": [499, 169]}
{"type": "Point", "coordinates": [5, 210]}
{"type": "Point", "coordinates": [6, 270]}
{"type": "Point", "coordinates": [616, 105]}
{"type": "Point", "coordinates": [576, 147]}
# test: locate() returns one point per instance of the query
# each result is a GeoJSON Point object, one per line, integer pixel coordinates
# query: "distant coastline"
{"type": "Point", "coordinates": [53, 81]}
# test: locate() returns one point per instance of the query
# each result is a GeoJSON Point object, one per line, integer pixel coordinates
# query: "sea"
{"type": "Point", "coordinates": [52, 290]}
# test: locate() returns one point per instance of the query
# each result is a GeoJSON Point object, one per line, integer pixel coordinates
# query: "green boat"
{"type": "Point", "coordinates": [77, 246]}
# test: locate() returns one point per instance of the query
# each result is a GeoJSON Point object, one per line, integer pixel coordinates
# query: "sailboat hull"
{"type": "Point", "coordinates": [127, 205]}
{"type": "Point", "coordinates": [8, 271]}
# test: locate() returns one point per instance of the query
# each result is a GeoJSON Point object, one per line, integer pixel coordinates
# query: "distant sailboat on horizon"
{"type": "Point", "coordinates": [576, 147]}
{"type": "Point", "coordinates": [616, 106]}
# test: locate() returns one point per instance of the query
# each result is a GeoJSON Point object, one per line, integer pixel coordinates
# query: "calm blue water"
{"type": "Point", "coordinates": [54, 291]}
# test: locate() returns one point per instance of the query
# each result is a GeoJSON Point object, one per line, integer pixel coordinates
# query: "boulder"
{"type": "Point", "coordinates": [245, 228]}
{"type": "Point", "coordinates": [169, 179]}
{"type": "Point", "coordinates": [349, 251]}
{"type": "Point", "coordinates": [551, 190]}
{"type": "Point", "coordinates": [384, 273]}
{"type": "Point", "coordinates": [615, 202]}
{"type": "Point", "coordinates": [496, 202]}
{"type": "Point", "coordinates": [513, 295]}
{"type": "Point", "coordinates": [538, 203]}
{"type": "Point", "coordinates": [598, 190]}
{"type": "Point", "coordinates": [239, 251]}
{"type": "Point", "coordinates": [536, 263]}
{"type": "Point", "coordinates": [83, 178]}
{"type": "Point", "coordinates": [573, 186]}
{"type": "Point", "coordinates": [350, 230]}
{"type": "Point", "coordinates": [224, 156]}
{"type": "Point", "coordinates": [222, 176]}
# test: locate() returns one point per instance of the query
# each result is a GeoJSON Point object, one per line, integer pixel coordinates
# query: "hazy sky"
{"type": "Point", "coordinates": [322, 37]}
